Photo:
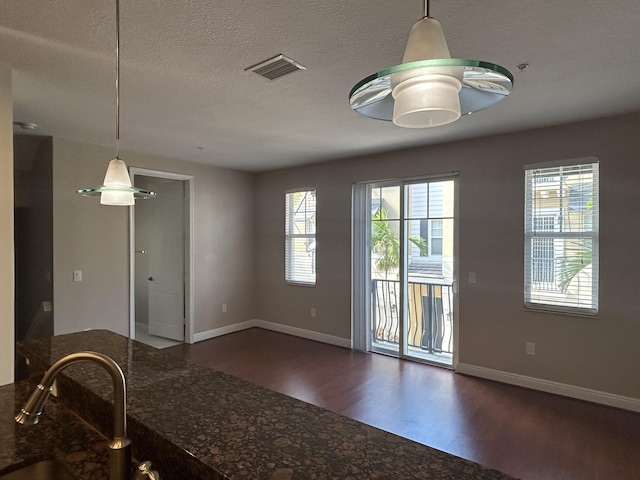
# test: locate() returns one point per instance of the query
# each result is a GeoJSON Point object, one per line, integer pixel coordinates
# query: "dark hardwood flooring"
{"type": "Point", "coordinates": [527, 434]}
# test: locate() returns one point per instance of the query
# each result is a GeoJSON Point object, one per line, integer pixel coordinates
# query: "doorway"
{"type": "Point", "coordinates": [405, 266]}
{"type": "Point", "coordinates": [161, 260]}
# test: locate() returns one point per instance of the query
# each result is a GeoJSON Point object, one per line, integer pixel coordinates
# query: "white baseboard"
{"type": "Point", "coordinates": [217, 332]}
{"type": "Point", "coordinates": [276, 327]}
{"type": "Point", "coordinates": [596, 396]}
{"type": "Point", "coordinates": [301, 332]}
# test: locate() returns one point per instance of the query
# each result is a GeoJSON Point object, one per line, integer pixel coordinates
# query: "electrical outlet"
{"type": "Point", "coordinates": [472, 277]}
{"type": "Point", "coordinates": [313, 312]}
{"type": "Point", "coordinates": [531, 348]}
{"type": "Point", "coordinates": [224, 308]}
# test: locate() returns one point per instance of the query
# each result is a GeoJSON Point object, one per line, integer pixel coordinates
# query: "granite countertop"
{"type": "Point", "coordinates": [195, 422]}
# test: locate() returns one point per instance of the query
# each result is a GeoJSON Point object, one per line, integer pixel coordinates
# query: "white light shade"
{"type": "Point", "coordinates": [117, 198]}
{"type": "Point", "coordinates": [426, 97]}
{"type": "Point", "coordinates": [116, 178]}
{"type": "Point", "coordinates": [426, 41]}
{"type": "Point", "coordinates": [426, 101]}
{"type": "Point", "coordinates": [117, 174]}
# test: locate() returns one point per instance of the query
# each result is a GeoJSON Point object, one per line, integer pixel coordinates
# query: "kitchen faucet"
{"type": "Point", "coordinates": [120, 445]}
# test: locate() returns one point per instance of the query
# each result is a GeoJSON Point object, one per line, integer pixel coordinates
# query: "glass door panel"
{"type": "Point", "coordinates": [428, 272]}
{"type": "Point", "coordinates": [385, 264]}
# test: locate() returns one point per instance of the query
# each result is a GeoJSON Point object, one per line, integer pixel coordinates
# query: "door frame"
{"type": "Point", "coordinates": [361, 259]}
{"type": "Point", "coordinates": [188, 250]}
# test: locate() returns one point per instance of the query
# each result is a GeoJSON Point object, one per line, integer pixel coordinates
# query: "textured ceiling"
{"type": "Point", "coordinates": [183, 83]}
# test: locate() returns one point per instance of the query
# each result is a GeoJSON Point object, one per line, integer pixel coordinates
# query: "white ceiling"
{"type": "Point", "coordinates": [183, 83]}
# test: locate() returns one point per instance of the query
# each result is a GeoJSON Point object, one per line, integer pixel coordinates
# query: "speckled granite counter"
{"type": "Point", "coordinates": [193, 422]}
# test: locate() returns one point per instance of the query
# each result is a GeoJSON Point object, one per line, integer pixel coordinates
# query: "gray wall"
{"type": "Point", "coordinates": [598, 353]}
{"type": "Point", "coordinates": [94, 238]}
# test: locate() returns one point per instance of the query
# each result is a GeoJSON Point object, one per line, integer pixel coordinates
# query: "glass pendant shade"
{"type": "Point", "coordinates": [430, 88]}
{"type": "Point", "coordinates": [117, 189]}
{"type": "Point", "coordinates": [426, 101]}
{"type": "Point", "coordinates": [117, 198]}
{"type": "Point", "coordinates": [116, 179]}
{"type": "Point", "coordinates": [426, 97]}
{"type": "Point", "coordinates": [426, 41]}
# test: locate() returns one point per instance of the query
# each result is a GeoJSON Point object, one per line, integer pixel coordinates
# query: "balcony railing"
{"type": "Point", "coordinates": [429, 320]}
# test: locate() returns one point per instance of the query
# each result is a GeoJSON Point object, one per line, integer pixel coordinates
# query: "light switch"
{"type": "Point", "coordinates": [472, 277]}
{"type": "Point", "coordinates": [77, 275]}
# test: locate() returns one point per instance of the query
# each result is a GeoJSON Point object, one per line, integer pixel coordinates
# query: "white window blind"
{"type": "Point", "coordinates": [300, 237]}
{"type": "Point", "coordinates": [561, 237]}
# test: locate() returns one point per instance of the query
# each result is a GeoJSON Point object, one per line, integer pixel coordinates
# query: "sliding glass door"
{"type": "Point", "coordinates": [411, 269]}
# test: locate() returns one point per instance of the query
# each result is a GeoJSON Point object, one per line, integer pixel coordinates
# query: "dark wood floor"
{"type": "Point", "coordinates": [528, 434]}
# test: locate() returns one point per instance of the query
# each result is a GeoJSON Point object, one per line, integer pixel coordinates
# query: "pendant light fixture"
{"type": "Point", "coordinates": [430, 88]}
{"type": "Point", "coordinates": [117, 189]}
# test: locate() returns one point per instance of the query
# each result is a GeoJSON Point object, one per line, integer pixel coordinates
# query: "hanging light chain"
{"type": "Point", "coordinates": [117, 78]}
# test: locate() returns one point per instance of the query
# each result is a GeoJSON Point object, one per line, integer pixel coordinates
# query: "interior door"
{"type": "Point", "coordinates": [166, 260]}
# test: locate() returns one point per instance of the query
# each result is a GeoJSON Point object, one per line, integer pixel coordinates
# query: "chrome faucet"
{"type": "Point", "coordinates": [120, 445]}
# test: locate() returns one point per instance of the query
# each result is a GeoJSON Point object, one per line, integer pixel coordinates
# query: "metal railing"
{"type": "Point", "coordinates": [429, 315]}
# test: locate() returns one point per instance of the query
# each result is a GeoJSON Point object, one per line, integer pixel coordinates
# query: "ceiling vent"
{"type": "Point", "coordinates": [275, 67]}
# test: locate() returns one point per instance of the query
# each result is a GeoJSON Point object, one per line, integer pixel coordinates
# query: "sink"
{"type": "Point", "coordinates": [40, 470]}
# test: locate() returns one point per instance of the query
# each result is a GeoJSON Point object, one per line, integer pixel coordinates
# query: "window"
{"type": "Point", "coordinates": [561, 237]}
{"type": "Point", "coordinates": [431, 231]}
{"type": "Point", "coordinates": [436, 237]}
{"type": "Point", "coordinates": [300, 237]}
{"type": "Point", "coordinates": [426, 203]}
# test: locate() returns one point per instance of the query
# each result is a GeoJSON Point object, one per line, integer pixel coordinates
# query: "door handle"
{"type": "Point", "coordinates": [150, 279]}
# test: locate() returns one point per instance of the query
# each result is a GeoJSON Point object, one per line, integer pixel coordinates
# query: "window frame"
{"type": "Point", "coordinates": [289, 237]}
{"type": "Point", "coordinates": [584, 303]}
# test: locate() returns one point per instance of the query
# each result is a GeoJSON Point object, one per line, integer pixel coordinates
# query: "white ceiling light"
{"type": "Point", "coordinates": [430, 88]}
{"type": "Point", "coordinates": [116, 188]}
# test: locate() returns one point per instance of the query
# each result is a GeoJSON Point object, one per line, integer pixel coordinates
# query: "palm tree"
{"type": "Point", "coordinates": [572, 265]}
{"type": "Point", "coordinates": [386, 243]}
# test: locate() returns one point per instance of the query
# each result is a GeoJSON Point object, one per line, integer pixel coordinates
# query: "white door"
{"type": "Point", "coordinates": [166, 260]}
